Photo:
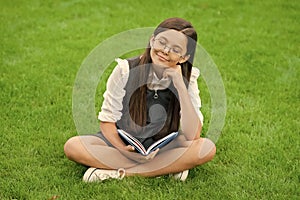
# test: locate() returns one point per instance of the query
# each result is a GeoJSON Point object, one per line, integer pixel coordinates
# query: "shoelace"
{"type": "Point", "coordinates": [119, 174]}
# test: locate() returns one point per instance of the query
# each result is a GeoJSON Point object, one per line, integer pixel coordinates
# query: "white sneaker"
{"type": "Point", "coordinates": [181, 175]}
{"type": "Point", "coordinates": [95, 174]}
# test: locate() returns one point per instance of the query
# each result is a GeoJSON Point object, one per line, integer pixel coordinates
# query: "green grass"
{"type": "Point", "coordinates": [255, 45]}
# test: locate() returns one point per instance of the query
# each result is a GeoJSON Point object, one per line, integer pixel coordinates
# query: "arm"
{"type": "Point", "coordinates": [109, 130]}
{"type": "Point", "coordinates": [190, 123]}
{"type": "Point", "coordinates": [112, 104]}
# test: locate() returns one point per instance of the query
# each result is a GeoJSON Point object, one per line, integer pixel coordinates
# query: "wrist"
{"type": "Point", "coordinates": [179, 85]}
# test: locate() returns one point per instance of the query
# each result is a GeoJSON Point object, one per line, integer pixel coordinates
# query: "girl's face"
{"type": "Point", "coordinates": [169, 48]}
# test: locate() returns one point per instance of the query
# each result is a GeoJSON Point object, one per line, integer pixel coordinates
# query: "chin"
{"type": "Point", "coordinates": [161, 64]}
{"type": "Point", "coordinates": [158, 61]}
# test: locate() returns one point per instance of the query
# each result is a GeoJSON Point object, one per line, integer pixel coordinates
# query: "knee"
{"type": "Point", "coordinates": [207, 150]}
{"type": "Point", "coordinates": [70, 147]}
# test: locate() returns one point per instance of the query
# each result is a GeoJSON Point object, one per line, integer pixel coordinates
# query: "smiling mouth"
{"type": "Point", "coordinates": [162, 58]}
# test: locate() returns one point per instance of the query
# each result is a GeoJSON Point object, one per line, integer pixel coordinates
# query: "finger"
{"type": "Point", "coordinates": [165, 74]}
{"type": "Point", "coordinates": [156, 151]}
{"type": "Point", "coordinates": [153, 154]}
{"type": "Point", "coordinates": [149, 156]}
{"type": "Point", "coordinates": [130, 148]}
{"type": "Point", "coordinates": [171, 72]}
{"type": "Point", "coordinates": [168, 73]}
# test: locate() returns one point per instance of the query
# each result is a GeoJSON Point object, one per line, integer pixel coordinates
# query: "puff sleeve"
{"type": "Point", "coordinates": [194, 92]}
{"type": "Point", "coordinates": [115, 92]}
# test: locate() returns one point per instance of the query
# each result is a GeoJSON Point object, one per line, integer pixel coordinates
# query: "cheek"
{"type": "Point", "coordinates": [153, 56]}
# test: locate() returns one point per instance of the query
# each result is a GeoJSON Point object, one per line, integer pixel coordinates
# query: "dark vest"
{"type": "Point", "coordinates": [157, 108]}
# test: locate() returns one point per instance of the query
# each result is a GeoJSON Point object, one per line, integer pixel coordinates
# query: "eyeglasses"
{"type": "Point", "coordinates": [174, 52]}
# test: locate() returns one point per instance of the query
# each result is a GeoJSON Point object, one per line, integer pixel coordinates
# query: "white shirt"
{"type": "Point", "coordinates": [111, 110]}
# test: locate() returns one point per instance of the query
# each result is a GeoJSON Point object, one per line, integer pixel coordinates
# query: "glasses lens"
{"type": "Point", "coordinates": [162, 45]}
{"type": "Point", "coordinates": [159, 45]}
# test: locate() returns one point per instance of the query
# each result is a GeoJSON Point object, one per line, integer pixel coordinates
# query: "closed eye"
{"type": "Point", "coordinates": [176, 50]}
{"type": "Point", "coordinates": [162, 42]}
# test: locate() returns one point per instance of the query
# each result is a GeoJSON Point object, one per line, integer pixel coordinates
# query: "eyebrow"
{"type": "Point", "coordinates": [168, 40]}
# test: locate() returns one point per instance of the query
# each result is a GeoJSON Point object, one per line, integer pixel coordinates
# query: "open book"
{"type": "Point", "coordinates": [139, 146]}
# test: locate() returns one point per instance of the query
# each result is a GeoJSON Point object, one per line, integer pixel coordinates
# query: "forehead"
{"type": "Point", "coordinates": [173, 37]}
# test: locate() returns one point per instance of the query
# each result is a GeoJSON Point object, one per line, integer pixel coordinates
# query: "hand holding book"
{"type": "Point", "coordinates": [139, 146]}
{"type": "Point", "coordinates": [138, 157]}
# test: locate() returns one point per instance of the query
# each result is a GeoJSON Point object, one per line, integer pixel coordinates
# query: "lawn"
{"type": "Point", "coordinates": [255, 45]}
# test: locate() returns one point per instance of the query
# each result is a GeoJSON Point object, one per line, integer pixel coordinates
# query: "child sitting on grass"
{"type": "Point", "coordinates": [149, 97]}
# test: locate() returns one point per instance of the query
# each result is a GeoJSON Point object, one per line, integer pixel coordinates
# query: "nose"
{"type": "Point", "coordinates": [167, 49]}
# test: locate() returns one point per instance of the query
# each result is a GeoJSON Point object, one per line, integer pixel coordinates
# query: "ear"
{"type": "Point", "coordinates": [184, 59]}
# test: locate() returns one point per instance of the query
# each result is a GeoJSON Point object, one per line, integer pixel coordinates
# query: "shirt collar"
{"type": "Point", "coordinates": [157, 84]}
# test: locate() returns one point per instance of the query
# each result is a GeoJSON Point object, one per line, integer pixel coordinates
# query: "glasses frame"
{"type": "Point", "coordinates": [170, 48]}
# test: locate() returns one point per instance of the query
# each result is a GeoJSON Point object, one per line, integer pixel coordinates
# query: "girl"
{"type": "Point", "coordinates": [149, 96]}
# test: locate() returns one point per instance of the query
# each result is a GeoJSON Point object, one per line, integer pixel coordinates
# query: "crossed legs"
{"type": "Point", "coordinates": [94, 152]}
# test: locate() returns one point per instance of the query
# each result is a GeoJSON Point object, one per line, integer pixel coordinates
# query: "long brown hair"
{"type": "Point", "coordinates": [138, 104]}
